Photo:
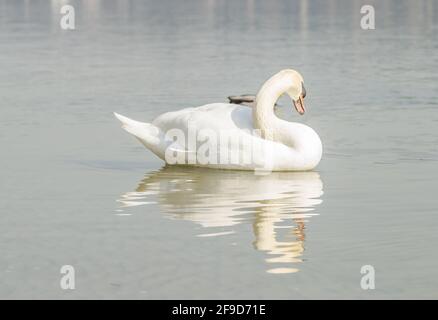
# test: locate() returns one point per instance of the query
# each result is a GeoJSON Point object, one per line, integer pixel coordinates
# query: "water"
{"type": "Point", "coordinates": [77, 190]}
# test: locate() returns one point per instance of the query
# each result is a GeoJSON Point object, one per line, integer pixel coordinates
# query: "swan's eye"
{"type": "Point", "coordinates": [303, 90]}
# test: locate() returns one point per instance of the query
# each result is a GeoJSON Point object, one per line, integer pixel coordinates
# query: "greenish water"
{"type": "Point", "coordinates": [77, 190]}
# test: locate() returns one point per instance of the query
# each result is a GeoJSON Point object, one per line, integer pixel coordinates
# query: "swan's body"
{"type": "Point", "coordinates": [278, 145]}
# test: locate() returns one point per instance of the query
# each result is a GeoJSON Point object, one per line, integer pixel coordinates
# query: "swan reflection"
{"type": "Point", "coordinates": [277, 205]}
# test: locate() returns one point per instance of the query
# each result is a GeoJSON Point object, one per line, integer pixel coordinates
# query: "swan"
{"type": "Point", "coordinates": [233, 136]}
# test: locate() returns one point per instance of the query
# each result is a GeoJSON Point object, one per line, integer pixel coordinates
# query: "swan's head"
{"type": "Point", "coordinates": [286, 81]}
{"type": "Point", "coordinates": [295, 89]}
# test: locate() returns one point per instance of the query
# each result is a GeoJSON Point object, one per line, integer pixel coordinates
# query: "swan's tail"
{"type": "Point", "coordinates": [147, 133]}
{"type": "Point", "coordinates": [128, 122]}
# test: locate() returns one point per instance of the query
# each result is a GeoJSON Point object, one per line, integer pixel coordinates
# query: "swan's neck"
{"type": "Point", "coordinates": [264, 117]}
{"type": "Point", "coordinates": [299, 137]}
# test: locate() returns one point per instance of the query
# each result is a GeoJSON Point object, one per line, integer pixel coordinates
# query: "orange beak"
{"type": "Point", "coordinates": [299, 104]}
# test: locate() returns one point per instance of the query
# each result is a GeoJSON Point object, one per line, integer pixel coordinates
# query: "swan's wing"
{"type": "Point", "coordinates": [244, 148]}
{"type": "Point", "coordinates": [212, 120]}
{"type": "Point", "coordinates": [215, 116]}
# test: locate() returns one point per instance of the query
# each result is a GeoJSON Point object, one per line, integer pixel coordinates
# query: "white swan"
{"type": "Point", "coordinates": [231, 136]}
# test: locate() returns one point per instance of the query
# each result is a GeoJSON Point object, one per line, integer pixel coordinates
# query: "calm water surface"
{"type": "Point", "coordinates": [77, 190]}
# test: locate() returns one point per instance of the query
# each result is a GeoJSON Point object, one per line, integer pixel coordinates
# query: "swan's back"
{"type": "Point", "coordinates": [214, 116]}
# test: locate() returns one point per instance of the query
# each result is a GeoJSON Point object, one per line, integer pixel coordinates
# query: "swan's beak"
{"type": "Point", "coordinates": [299, 104]}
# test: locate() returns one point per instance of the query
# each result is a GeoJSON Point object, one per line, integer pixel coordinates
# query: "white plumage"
{"type": "Point", "coordinates": [231, 136]}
